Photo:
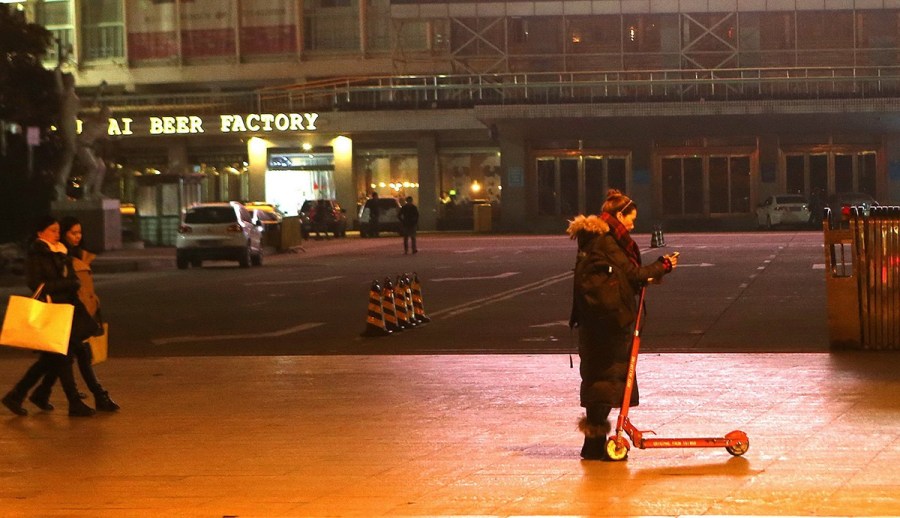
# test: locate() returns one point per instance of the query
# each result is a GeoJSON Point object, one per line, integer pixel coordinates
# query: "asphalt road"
{"type": "Point", "coordinates": [485, 294]}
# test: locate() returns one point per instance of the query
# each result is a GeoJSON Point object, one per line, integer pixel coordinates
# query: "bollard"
{"type": "Point", "coordinates": [389, 307]}
{"type": "Point", "coordinates": [375, 324]}
{"type": "Point", "coordinates": [418, 301]}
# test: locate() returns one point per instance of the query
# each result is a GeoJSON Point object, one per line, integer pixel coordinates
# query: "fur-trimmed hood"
{"type": "Point", "coordinates": [591, 224]}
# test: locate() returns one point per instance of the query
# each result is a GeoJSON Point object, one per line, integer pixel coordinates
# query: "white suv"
{"type": "Point", "coordinates": [218, 231]}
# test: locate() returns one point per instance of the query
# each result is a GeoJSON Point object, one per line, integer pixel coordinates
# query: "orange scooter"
{"type": "Point", "coordinates": [736, 443]}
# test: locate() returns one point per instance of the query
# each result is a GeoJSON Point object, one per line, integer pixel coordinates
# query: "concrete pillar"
{"type": "Point", "coordinates": [257, 160]}
{"type": "Point", "coordinates": [429, 191]}
{"type": "Point", "coordinates": [177, 155]}
{"type": "Point", "coordinates": [887, 183]}
{"type": "Point", "coordinates": [515, 176]}
{"type": "Point", "coordinates": [344, 183]}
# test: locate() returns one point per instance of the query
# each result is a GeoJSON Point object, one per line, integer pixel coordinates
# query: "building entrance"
{"type": "Point", "coordinates": [576, 183]}
{"type": "Point", "coordinates": [293, 177]}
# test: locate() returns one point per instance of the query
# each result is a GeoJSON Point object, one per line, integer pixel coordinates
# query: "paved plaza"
{"type": "Point", "coordinates": [476, 435]}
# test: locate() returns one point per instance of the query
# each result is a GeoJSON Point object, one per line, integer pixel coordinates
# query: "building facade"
{"type": "Point", "coordinates": [699, 109]}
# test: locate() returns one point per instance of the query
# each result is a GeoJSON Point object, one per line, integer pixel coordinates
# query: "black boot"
{"type": "Point", "coordinates": [41, 398]}
{"type": "Point", "coordinates": [594, 449]}
{"type": "Point", "coordinates": [79, 409]}
{"type": "Point", "coordinates": [105, 404]}
{"type": "Point", "coordinates": [13, 402]}
{"type": "Point", "coordinates": [594, 439]}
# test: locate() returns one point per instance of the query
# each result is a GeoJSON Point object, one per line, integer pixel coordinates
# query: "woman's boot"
{"type": "Point", "coordinates": [594, 447]}
{"type": "Point", "coordinates": [41, 395]}
{"type": "Point", "coordinates": [13, 401]}
{"type": "Point", "coordinates": [105, 404]}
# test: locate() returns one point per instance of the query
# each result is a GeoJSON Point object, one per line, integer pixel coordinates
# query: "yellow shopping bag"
{"type": "Point", "coordinates": [41, 326]}
{"type": "Point", "coordinates": [99, 346]}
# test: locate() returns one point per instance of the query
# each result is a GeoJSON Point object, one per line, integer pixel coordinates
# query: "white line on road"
{"type": "Point", "coordinates": [310, 281]}
{"type": "Point", "coordinates": [468, 251]}
{"type": "Point", "coordinates": [701, 265]}
{"type": "Point", "coordinates": [818, 266]}
{"type": "Point", "coordinates": [504, 295]}
{"type": "Point", "coordinates": [218, 338]}
{"type": "Point", "coordinates": [498, 276]}
{"type": "Point", "coordinates": [564, 323]}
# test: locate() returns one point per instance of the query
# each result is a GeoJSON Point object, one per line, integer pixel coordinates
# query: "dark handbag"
{"type": "Point", "coordinates": [84, 325]}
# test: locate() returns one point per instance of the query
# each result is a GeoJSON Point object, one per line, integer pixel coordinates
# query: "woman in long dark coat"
{"type": "Point", "coordinates": [49, 264]}
{"type": "Point", "coordinates": [608, 276]}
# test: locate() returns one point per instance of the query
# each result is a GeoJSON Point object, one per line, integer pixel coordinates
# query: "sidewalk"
{"type": "Point", "coordinates": [455, 435]}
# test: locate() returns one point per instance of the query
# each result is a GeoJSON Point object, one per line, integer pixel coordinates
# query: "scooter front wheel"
{"type": "Point", "coordinates": [740, 444]}
{"type": "Point", "coordinates": [615, 451]}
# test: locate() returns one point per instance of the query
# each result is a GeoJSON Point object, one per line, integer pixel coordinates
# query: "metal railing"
{"type": "Point", "coordinates": [466, 91]}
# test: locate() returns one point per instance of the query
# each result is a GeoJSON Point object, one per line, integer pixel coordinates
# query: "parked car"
{"type": "Point", "coordinates": [388, 220]}
{"type": "Point", "coordinates": [783, 209]}
{"type": "Point", "coordinates": [334, 218]}
{"type": "Point", "coordinates": [841, 202]}
{"type": "Point", "coordinates": [218, 231]}
{"type": "Point", "coordinates": [265, 214]}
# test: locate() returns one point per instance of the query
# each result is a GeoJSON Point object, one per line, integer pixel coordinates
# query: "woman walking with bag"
{"type": "Point", "coordinates": [71, 231]}
{"type": "Point", "coordinates": [49, 265]}
{"type": "Point", "coordinates": [608, 276]}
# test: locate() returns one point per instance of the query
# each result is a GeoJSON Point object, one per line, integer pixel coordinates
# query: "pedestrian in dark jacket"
{"type": "Point", "coordinates": [608, 277]}
{"type": "Point", "coordinates": [48, 264]}
{"type": "Point", "coordinates": [409, 219]}
{"type": "Point", "coordinates": [71, 232]}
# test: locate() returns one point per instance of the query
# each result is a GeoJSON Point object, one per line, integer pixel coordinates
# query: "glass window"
{"type": "Point", "coordinates": [103, 29]}
{"type": "Point", "coordinates": [589, 34]}
{"type": "Point", "coordinates": [268, 27]}
{"type": "Point", "coordinates": [331, 25]}
{"type": "Point", "coordinates": [532, 35]}
{"type": "Point", "coordinates": [794, 174]}
{"type": "Point", "coordinates": [693, 185]}
{"type": "Point", "coordinates": [867, 172]}
{"type": "Point", "coordinates": [378, 25]}
{"type": "Point", "coordinates": [877, 29]}
{"type": "Point", "coordinates": [672, 187]}
{"type": "Point", "coordinates": [739, 171]}
{"type": "Point", "coordinates": [843, 173]}
{"type": "Point", "coordinates": [568, 187]}
{"type": "Point", "coordinates": [818, 172]}
{"type": "Point", "coordinates": [594, 191]}
{"type": "Point", "coordinates": [57, 17]}
{"type": "Point", "coordinates": [641, 33]}
{"type": "Point", "coordinates": [825, 30]}
{"type": "Point", "coordinates": [152, 32]}
{"type": "Point", "coordinates": [546, 173]}
{"type": "Point", "coordinates": [776, 31]}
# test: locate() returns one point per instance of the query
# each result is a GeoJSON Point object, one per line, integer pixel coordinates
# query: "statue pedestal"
{"type": "Point", "coordinates": [100, 220]}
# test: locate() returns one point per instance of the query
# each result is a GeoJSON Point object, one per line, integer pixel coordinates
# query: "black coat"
{"type": "Point", "coordinates": [54, 270]}
{"type": "Point", "coordinates": [604, 308]}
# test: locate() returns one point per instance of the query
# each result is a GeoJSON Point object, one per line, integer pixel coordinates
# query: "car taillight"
{"type": "Point", "coordinates": [184, 229]}
{"type": "Point", "coordinates": [845, 210]}
{"type": "Point", "coordinates": [234, 227]}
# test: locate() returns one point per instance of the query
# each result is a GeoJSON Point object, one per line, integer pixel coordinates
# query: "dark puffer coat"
{"type": "Point", "coordinates": [604, 309]}
{"type": "Point", "coordinates": [53, 270]}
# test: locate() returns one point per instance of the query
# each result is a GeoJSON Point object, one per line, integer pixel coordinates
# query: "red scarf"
{"type": "Point", "coordinates": [622, 237]}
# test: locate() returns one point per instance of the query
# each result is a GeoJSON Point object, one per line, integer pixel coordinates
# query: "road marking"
{"type": "Point", "coordinates": [498, 276]}
{"type": "Point", "coordinates": [277, 283]}
{"type": "Point", "coordinates": [553, 324]}
{"type": "Point", "coordinates": [219, 338]}
{"type": "Point", "coordinates": [818, 266]}
{"type": "Point", "coordinates": [515, 292]}
{"type": "Point", "coordinates": [701, 265]}
{"type": "Point", "coordinates": [469, 251]}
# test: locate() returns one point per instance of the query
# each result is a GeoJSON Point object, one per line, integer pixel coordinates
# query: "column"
{"type": "Point", "coordinates": [429, 191]}
{"type": "Point", "coordinates": [515, 175]}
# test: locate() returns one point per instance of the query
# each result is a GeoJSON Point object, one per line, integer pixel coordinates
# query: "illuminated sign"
{"type": "Point", "coordinates": [228, 123]}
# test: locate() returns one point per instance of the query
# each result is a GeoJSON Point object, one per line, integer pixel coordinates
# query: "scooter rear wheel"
{"type": "Point", "coordinates": [616, 452]}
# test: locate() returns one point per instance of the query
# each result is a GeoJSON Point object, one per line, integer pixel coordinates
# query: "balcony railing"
{"type": "Point", "coordinates": [466, 91]}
